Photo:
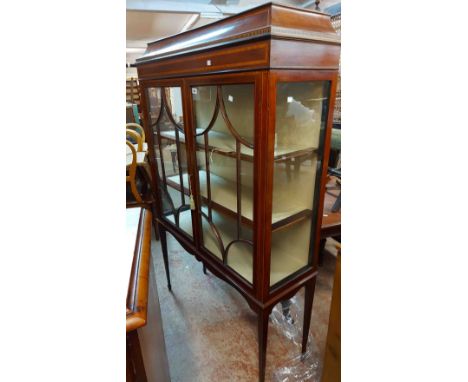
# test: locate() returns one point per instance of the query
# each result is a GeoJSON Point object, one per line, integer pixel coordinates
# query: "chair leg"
{"type": "Point", "coordinates": [308, 302]}
{"type": "Point", "coordinates": [162, 235]}
{"type": "Point", "coordinates": [204, 269]}
{"type": "Point", "coordinates": [146, 175]}
{"type": "Point", "coordinates": [263, 316]}
{"type": "Point", "coordinates": [144, 182]}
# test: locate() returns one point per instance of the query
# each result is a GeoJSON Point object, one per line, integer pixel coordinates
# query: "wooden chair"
{"type": "Point", "coordinates": [132, 163]}
{"type": "Point", "coordinates": [138, 169]}
{"type": "Point", "coordinates": [132, 113]}
{"type": "Point", "coordinates": [138, 129]}
{"type": "Point", "coordinates": [142, 167]}
{"type": "Point", "coordinates": [138, 146]}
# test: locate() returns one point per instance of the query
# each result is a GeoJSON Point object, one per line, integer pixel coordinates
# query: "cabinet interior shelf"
{"type": "Point", "coordinates": [224, 144]}
{"type": "Point", "coordinates": [224, 200]}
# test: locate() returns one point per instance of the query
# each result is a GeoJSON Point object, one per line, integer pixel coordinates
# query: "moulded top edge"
{"type": "Point", "coordinates": [241, 14]}
{"type": "Point", "coordinates": [269, 20]}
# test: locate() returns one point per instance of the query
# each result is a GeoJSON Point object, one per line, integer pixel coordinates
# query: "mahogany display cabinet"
{"type": "Point", "coordinates": [238, 116]}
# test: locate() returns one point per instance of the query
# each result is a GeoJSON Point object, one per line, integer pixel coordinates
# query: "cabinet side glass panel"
{"type": "Point", "coordinates": [167, 127]}
{"type": "Point", "coordinates": [224, 130]}
{"type": "Point", "coordinates": [301, 116]}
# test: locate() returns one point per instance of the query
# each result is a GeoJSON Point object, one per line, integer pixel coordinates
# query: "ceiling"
{"type": "Point", "coordinates": [150, 20]}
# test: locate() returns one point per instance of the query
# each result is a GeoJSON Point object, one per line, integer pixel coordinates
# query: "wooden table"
{"type": "Point", "coordinates": [138, 239]}
{"type": "Point", "coordinates": [146, 351]}
{"type": "Point", "coordinates": [138, 231]}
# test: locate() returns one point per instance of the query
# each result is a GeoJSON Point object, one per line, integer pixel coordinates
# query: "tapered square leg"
{"type": "Point", "coordinates": [308, 302]}
{"type": "Point", "coordinates": [162, 235]}
{"type": "Point", "coordinates": [262, 342]}
{"type": "Point", "coordinates": [155, 221]}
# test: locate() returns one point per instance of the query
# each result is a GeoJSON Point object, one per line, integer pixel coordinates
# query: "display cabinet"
{"type": "Point", "coordinates": [238, 116]}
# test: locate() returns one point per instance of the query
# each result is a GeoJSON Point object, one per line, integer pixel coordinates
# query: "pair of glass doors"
{"type": "Point", "coordinates": [221, 118]}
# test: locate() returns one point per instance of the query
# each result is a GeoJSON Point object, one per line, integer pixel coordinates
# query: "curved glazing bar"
{"type": "Point", "coordinates": [166, 118]}
{"type": "Point", "coordinates": [154, 105]}
{"type": "Point", "coordinates": [237, 110]}
{"type": "Point", "coordinates": [237, 254]}
{"type": "Point", "coordinates": [173, 107]}
{"type": "Point", "coordinates": [205, 110]}
{"type": "Point", "coordinates": [220, 106]}
{"type": "Point", "coordinates": [249, 242]}
{"type": "Point", "coordinates": [217, 235]}
{"type": "Point", "coordinates": [225, 111]}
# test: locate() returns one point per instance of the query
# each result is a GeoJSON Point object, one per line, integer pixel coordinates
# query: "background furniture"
{"type": "Point", "coordinates": [133, 91]}
{"type": "Point", "coordinates": [132, 113]}
{"type": "Point", "coordinates": [132, 163]}
{"type": "Point", "coordinates": [141, 132]}
{"type": "Point", "coordinates": [334, 163]}
{"type": "Point", "coordinates": [335, 147]}
{"type": "Point", "coordinates": [138, 178]}
{"type": "Point", "coordinates": [146, 352]}
{"type": "Point", "coordinates": [335, 11]}
{"type": "Point", "coordinates": [331, 221]}
{"type": "Point", "coordinates": [139, 237]}
{"type": "Point", "coordinates": [332, 362]}
{"type": "Point", "coordinates": [238, 119]}
{"type": "Point", "coordinates": [336, 173]}
{"type": "Point", "coordinates": [138, 173]}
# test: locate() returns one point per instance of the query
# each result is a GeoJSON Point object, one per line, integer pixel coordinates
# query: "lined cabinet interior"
{"type": "Point", "coordinates": [301, 117]}
{"type": "Point", "coordinates": [224, 131]}
{"type": "Point", "coordinates": [223, 128]}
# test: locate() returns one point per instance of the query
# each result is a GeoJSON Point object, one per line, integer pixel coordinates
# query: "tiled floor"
{"type": "Point", "coordinates": [211, 333]}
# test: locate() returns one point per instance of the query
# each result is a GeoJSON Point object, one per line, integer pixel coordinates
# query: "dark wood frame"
{"type": "Point", "coordinates": [261, 58]}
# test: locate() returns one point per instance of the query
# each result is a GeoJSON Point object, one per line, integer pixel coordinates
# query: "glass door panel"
{"type": "Point", "coordinates": [301, 116]}
{"type": "Point", "coordinates": [224, 122]}
{"type": "Point", "coordinates": [167, 125]}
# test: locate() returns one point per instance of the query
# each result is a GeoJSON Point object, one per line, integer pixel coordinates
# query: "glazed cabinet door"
{"type": "Point", "coordinates": [223, 118]}
{"type": "Point", "coordinates": [164, 107]}
{"type": "Point", "coordinates": [301, 117]}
